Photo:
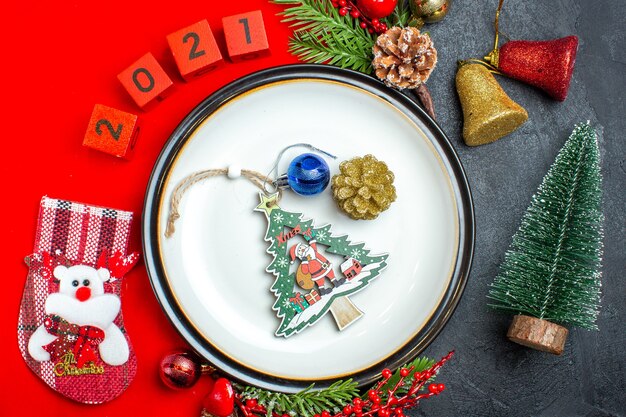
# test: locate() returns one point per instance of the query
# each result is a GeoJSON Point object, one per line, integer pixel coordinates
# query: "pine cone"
{"type": "Point", "coordinates": [404, 58]}
{"type": "Point", "coordinates": [364, 189]}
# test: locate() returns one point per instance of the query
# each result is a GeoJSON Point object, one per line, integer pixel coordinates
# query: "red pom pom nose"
{"type": "Point", "coordinates": [83, 293]}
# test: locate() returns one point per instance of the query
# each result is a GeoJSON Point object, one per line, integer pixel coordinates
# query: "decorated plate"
{"type": "Point", "coordinates": [223, 285]}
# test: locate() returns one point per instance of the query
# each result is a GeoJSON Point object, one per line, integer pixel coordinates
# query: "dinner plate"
{"type": "Point", "coordinates": [209, 276]}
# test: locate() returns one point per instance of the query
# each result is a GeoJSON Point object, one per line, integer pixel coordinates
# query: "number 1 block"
{"type": "Point", "coordinates": [146, 81]}
{"type": "Point", "coordinates": [245, 36]}
{"type": "Point", "coordinates": [195, 50]}
{"type": "Point", "coordinates": [112, 131]}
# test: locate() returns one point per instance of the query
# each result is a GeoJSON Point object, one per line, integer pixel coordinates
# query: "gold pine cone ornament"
{"type": "Point", "coordinates": [364, 188]}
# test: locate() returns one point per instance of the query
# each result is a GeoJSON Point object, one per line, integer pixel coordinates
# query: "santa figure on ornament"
{"type": "Point", "coordinates": [314, 267]}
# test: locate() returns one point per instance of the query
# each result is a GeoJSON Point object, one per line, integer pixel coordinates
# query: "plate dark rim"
{"type": "Point", "coordinates": [179, 136]}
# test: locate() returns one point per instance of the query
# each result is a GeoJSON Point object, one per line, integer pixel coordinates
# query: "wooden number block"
{"type": "Point", "coordinates": [146, 81]}
{"type": "Point", "coordinates": [245, 36]}
{"type": "Point", "coordinates": [112, 131]}
{"type": "Point", "coordinates": [195, 50]}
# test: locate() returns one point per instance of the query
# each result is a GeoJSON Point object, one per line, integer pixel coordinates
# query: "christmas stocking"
{"type": "Point", "coordinates": [70, 329]}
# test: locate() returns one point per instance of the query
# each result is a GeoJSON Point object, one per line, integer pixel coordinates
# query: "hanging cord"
{"type": "Point", "coordinates": [263, 182]}
{"type": "Point", "coordinates": [494, 56]}
{"type": "Point", "coordinates": [487, 65]}
{"type": "Point", "coordinates": [254, 177]}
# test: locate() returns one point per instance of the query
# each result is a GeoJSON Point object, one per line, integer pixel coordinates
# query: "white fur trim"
{"type": "Point", "coordinates": [99, 311]}
{"type": "Point", "coordinates": [104, 274]}
{"type": "Point", "coordinates": [114, 348]}
{"type": "Point", "coordinates": [60, 271]}
{"type": "Point", "coordinates": [36, 343]}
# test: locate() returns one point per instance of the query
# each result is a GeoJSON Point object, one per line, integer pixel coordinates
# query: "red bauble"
{"type": "Point", "coordinates": [180, 370]}
{"type": "Point", "coordinates": [544, 64]}
{"type": "Point", "coordinates": [220, 402]}
{"type": "Point", "coordinates": [376, 9]}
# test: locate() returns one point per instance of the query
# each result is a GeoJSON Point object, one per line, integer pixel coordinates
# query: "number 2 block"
{"type": "Point", "coordinates": [112, 131]}
{"type": "Point", "coordinates": [195, 50]}
{"type": "Point", "coordinates": [245, 36]}
{"type": "Point", "coordinates": [146, 81]}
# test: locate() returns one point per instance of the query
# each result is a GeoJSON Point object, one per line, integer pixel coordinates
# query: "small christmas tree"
{"type": "Point", "coordinates": [295, 239]}
{"type": "Point", "coordinates": [551, 272]}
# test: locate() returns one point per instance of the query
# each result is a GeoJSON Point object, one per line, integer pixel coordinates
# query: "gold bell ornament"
{"type": "Point", "coordinates": [488, 113]}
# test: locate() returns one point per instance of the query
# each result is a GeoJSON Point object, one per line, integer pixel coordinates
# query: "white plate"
{"type": "Point", "coordinates": [210, 275]}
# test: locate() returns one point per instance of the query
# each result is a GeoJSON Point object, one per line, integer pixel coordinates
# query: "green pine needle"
{"type": "Point", "coordinates": [309, 402]}
{"type": "Point", "coordinates": [552, 269]}
{"type": "Point", "coordinates": [419, 365]}
{"type": "Point", "coordinates": [401, 15]}
{"type": "Point", "coordinates": [305, 403]}
{"type": "Point", "coordinates": [328, 48]}
{"type": "Point", "coordinates": [321, 35]}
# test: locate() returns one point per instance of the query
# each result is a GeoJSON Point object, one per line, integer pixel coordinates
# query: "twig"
{"type": "Point", "coordinates": [424, 97]}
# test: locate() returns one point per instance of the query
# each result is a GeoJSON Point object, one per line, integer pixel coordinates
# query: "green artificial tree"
{"type": "Point", "coordinates": [551, 272]}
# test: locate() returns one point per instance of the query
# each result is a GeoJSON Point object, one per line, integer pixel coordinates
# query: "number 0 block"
{"type": "Point", "coordinates": [245, 36]}
{"type": "Point", "coordinates": [112, 131]}
{"type": "Point", "coordinates": [195, 50]}
{"type": "Point", "coordinates": [146, 81]}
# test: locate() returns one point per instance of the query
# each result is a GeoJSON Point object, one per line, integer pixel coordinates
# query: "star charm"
{"type": "Point", "coordinates": [268, 203]}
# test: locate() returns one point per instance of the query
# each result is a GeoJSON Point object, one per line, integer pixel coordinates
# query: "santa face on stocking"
{"type": "Point", "coordinates": [79, 319]}
{"type": "Point", "coordinates": [315, 265]}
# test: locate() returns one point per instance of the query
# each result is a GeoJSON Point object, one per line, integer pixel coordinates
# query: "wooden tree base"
{"type": "Point", "coordinates": [538, 334]}
{"type": "Point", "coordinates": [344, 312]}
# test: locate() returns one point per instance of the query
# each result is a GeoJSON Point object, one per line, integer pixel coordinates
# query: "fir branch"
{"type": "Point", "coordinates": [418, 365]}
{"type": "Point", "coordinates": [321, 35]}
{"type": "Point", "coordinates": [552, 269]}
{"type": "Point", "coordinates": [317, 15]}
{"type": "Point", "coordinates": [330, 49]}
{"type": "Point", "coordinates": [401, 15]}
{"type": "Point", "coordinates": [307, 402]}
{"type": "Point", "coordinates": [341, 398]}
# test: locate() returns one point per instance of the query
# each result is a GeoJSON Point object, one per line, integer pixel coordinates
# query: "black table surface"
{"type": "Point", "coordinates": [490, 376]}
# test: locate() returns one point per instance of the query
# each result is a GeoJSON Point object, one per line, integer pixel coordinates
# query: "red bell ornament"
{"type": "Point", "coordinates": [547, 65]}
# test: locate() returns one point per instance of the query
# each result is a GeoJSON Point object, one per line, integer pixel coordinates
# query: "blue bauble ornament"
{"type": "Point", "coordinates": [308, 174]}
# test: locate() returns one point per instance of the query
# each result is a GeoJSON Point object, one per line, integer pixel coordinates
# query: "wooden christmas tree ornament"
{"type": "Point", "coordinates": [537, 334]}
